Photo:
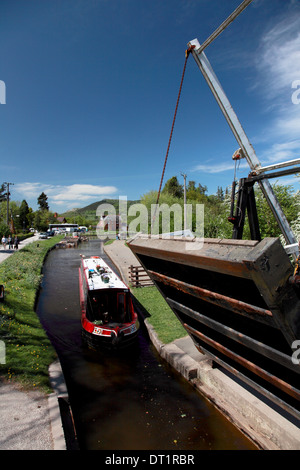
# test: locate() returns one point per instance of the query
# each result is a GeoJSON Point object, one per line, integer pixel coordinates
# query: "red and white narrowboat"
{"type": "Point", "coordinates": [108, 318]}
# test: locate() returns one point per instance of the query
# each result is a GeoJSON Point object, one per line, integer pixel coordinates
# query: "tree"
{"type": "Point", "coordinates": [30, 217]}
{"type": "Point", "coordinates": [149, 201]}
{"type": "Point", "coordinates": [220, 194]}
{"type": "Point", "coordinates": [23, 215]}
{"type": "Point", "coordinates": [173, 187]}
{"type": "Point", "coordinates": [201, 189]}
{"type": "Point", "coordinates": [42, 202]}
{"type": "Point", "coordinates": [3, 195]}
{"type": "Point", "coordinates": [288, 202]}
{"type": "Point", "coordinates": [268, 225]}
{"type": "Point", "coordinates": [217, 209]}
{"type": "Point", "coordinates": [37, 221]}
{"type": "Point", "coordinates": [196, 194]}
{"type": "Point", "coordinates": [4, 230]}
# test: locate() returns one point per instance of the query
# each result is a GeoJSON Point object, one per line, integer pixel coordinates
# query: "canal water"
{"type": "Point", "coordinates": [127, 401]}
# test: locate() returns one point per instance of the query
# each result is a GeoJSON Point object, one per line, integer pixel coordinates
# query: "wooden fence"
{"type": "Point", "coordinates": [138, 277]}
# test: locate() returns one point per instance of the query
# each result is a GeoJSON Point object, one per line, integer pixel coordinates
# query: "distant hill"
{"type": "Point", "coordinates": [93, 207]}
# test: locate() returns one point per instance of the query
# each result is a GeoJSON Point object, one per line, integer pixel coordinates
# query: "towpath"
{"type": "Point", "coordinates": [5, 253]}
{"type": "Point", "coordinates": [122, 257]}
{"type": "Point", "coordinates": [30, 420]}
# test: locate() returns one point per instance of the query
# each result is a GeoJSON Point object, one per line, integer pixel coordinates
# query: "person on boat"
{"type": "Point", "coordinates": [105, 317]}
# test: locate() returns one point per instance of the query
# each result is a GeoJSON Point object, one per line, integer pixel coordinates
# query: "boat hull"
{"type": "Point", "coordinates": [112, 342]}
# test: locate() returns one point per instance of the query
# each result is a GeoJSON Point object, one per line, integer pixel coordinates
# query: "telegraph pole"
{"type": "Point", "coordinates": [7, 203]}
{"type": "Point", "coordinates": [184, 201]}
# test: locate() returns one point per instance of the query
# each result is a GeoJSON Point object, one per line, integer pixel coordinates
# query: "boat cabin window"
{"type": "Point", "coordinates": [109, 306]}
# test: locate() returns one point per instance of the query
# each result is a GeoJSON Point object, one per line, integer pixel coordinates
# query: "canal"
{"type": "Point", "coordinates": [127, 401]}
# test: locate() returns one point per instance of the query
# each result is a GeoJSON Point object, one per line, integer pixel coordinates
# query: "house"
{"type": "Point", "coordinates": [61, 220]}
{"type": "Point", "coordinates": [112, 222]}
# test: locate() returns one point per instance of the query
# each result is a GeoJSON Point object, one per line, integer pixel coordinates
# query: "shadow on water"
{"type": "Point", "coordinates": [127, 401]}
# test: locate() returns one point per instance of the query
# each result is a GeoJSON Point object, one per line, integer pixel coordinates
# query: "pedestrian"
{"type": "Point", "coordinates": [16, 243]}
{"type": "Point", "coordinates": [4, 241]}
{"type": "Point", "coordinates": [10, 242]}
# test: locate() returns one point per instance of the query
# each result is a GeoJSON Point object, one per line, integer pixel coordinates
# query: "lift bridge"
{"type": "Point", "coordinates": [237, 299]}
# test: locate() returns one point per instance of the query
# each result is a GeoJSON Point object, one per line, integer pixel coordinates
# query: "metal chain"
{"type": "Point", "coordinates": [187, 53]}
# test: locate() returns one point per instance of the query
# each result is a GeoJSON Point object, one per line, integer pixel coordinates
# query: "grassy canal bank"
{"type": "Point", "coordinates": [158, 313]}
{"type": "Point", "coordinates": [28, 351]}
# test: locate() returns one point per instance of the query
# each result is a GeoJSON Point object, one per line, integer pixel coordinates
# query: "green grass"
{"type": "Point", "coordinates": [109, 242]}
{"type": "Point", "coordinates": [28, 351]}
{"type": "Point", "coordinates": [161, 317]}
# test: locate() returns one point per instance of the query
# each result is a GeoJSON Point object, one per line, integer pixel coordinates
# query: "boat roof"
{"type": "Point", "coordinates": [100, 276]}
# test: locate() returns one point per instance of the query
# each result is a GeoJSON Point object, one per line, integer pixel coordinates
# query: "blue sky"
{"type": "Point", "coordinates": [91, 88]}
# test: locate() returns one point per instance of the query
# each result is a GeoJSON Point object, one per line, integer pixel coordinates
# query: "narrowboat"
{"type": "Point", "coordinates": [108, 318]}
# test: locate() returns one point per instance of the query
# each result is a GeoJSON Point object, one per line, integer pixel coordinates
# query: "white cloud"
{"type": "Point", "coordinates": [31, 190]}
{"type": "Point", "coordinates": [81, 192]}
{"type": "Point", "coordinates": [213, 168]}
{"type": "Point", "coordinates": [279, 57]}
{"type": "Point", "coordinates": [278, 66]}
{"type": "Point", "coordinates": [75, 195]}
{"type": "Point", "coordinates": [280, 152]}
